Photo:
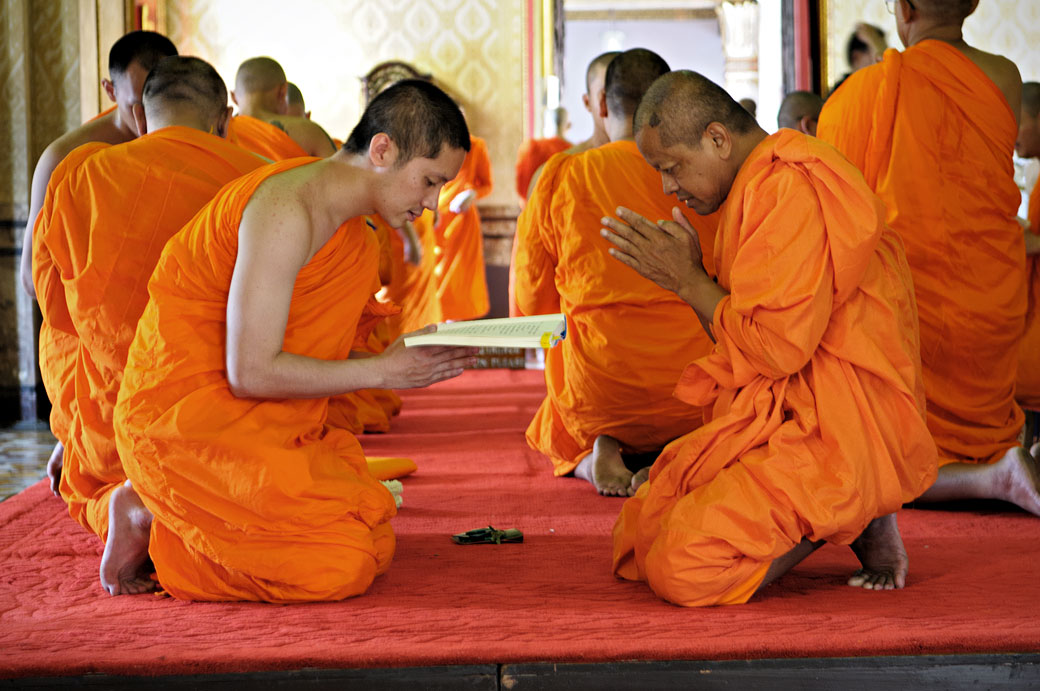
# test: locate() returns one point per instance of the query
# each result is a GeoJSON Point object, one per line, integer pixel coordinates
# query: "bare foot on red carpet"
{"type": "Point", "coordinates": [605, 469]}
{"type": "Point", "coordinates": [126, 551]}
{"type": "Point", "coordinates": [880, 550]}
{"type": "Point", "coordinates": [639, 477]}
{"type": "Point", "coordinates": [1016, 480]}
{"type": "Point", "coordinates": [54, 465]}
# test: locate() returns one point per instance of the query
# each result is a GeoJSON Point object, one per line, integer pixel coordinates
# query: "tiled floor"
{"type": "Point", "coordinates": [23, 458]}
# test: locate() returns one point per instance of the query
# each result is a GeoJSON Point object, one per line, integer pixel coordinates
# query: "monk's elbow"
{"type": "Point", "coordinates": [245, 381]}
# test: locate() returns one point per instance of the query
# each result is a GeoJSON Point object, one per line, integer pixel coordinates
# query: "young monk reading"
{"type": "Point", "coordinates": [129, 61]}
{"type": "Point", "coordinates": [99, 235]}
{"type": "Point", "coordinates": [1027, 385]}
{"type": "Point", "coordinates": [933, 129]}
{"type": "Point", "coordinates": [263, 124]}
{"type": "Point", "coordinates": [609, 384]}
{"type": "Point", "coordinates": [815, 427]}
{"type": "Point", "coordinates": [237, 489]}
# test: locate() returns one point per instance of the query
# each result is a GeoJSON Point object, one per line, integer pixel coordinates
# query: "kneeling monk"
{"type": "Point", "coordinates": [815, 427]}
{"type": "Point", "coordinates": [239, 489]}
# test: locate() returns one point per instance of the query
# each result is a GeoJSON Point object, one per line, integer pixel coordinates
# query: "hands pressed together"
{"type": "Point", "coordinates": [412, 368]}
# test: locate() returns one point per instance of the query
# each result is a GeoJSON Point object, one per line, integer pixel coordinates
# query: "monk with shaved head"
{"type": "Point", "coordinates": [104, 222]}
{"type": "Point", "coordinates": [933, 129]}
{"type": "Point", "coordinates": [814, 427]}
{"type": "Point", "coordinates": [1027, 386]}
{"type": "Point", "coordinates": [263, 124]}
{"type": "Point", "coordinates": [800, 110]}
{"type": "Point", "coordinates": [296, 107]}
{"type": "Point", "coordinates": [239, 490]}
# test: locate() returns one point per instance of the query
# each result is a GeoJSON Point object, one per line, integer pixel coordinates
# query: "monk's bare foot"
{"type": "Point", "coordinates": [54, 465]}
{"type": "Point", "coordinates": [126, 551]}
{"type": "Point", "coordinates": [639, 477]}
{"type": "Point", "coordinates": [1016, 480]}
{"type": "Point", "coordinates": [880, 550]}
{"type": "Point", "coordinates": [605, 469]}
{"type": "Point", "coordinates": [1034, 451]}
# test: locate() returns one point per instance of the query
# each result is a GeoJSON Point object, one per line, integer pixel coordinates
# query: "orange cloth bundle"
{"type": "Point", "coordinates": [263, 138]}
{"type": "Point", "coordinates": [532, 154]}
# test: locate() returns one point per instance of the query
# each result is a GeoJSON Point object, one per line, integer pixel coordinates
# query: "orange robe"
{"type": "Point", "coordinates": [627, 338]}
{"type": "Point", "coordinates": [934, 137]}
{"type": "Point", "coordinates": [101, 231]}
{"type": "Point", "coordinates": [263, 138]}
{"type": "Point", "coordinates": [816, 421]}
{"type": "Point", "coordinates": [1027, 387]}
{"type": "Point", "coordinates": [254, 499]}
{"type": "Point", "coordinates": [531, 155]}
{"type": "Point", "coordinates": [459, 275]}
{"type": "Point", "coordinates": [416, 293]}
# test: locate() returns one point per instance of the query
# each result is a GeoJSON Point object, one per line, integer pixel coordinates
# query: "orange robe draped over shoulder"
{"type": "Point", "coordinates": [254, 499]}
{"type": "Point", "coordinates": [101, 233]}
{"type": "Point", "coordinates": [816, 422]}
{"type": "Point", "coordinates": [263, 138]}
{"type": "Point", "coordinates": [934, 137]}
{"type": "Point", "coordinates": [627, 339]}
{"type": "Point", "coordinates": [532, 154]}
{"type": "Point", "coordinates": [1027, 387]}
{"type": "Point", "coordinates": [459, 274]}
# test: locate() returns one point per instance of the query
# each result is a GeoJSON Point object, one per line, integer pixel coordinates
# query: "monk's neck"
{"type": "Point", "coordinates": [122, 131]}
{"type": "Point", "coordinates": [256, 108]}
{"type": "Point", "coordinates": [937, 32]}
{"type": "Point", "coordinates": [343, 188]}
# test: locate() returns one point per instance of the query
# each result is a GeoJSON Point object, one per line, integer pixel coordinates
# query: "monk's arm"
{"type": "Point", "coordinates": [275, 242]}
{"type": "Point", "coordinates": [49, 160]}
{"type": "Point", "coordinates": [311, 137]}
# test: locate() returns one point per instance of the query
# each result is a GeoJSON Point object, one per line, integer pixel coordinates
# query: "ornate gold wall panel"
{"type": "Point", "coordinates": [472, 47]}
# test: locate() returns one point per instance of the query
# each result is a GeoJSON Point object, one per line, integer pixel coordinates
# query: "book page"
{"type": "Point", "coordinates": [542, 331]}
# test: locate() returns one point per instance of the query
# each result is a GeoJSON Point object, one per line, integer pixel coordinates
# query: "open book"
{"type": "Point", "coordinates": [542, 331]}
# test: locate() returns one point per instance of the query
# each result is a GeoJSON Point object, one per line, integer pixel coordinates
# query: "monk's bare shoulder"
{"type": "Point", "coordinates": [1003, 72]}
{"type": "Point", "coordinates": [307, 133]}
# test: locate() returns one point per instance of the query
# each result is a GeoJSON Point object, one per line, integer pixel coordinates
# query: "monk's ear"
{"type": "Point", "coordinates": [603, 103]}
{"type": "Point", "coordinates": [307, 115]}
{"type": "Point", "coordinates": [223, 120]}
{"type": "Point", "coordinates": [233, 99]}
{"type": "Point", "coordinates": [382, 151]}
{"type": "Point", "coordinates": [139, 119]}
{"type": "Point", "coordinates": [110, 89]}
{"type": "Point", "coordinates": [283, 98]}
{"type": "Point", "coordinates": [719, 139]}
{"type": "Point", "coordinates": [585, 102]}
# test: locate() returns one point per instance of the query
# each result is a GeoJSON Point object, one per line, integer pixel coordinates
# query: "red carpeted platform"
{"type": "Point", "coordinates": [973, 587]}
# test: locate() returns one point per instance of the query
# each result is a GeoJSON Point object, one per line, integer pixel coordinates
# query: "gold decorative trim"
{"type": "Point", "coordinates": [639, 15]}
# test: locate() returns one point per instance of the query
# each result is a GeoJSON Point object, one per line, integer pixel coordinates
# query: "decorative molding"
{"type": "Point", "coordinates": [627, 15]}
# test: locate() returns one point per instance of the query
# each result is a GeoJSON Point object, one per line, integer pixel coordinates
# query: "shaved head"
{"type": "Point", "coordinates": [182, 82]}
{"type": "Point", "coordinates": [680, 105]}
{"type": "Point", "coordinates": [598, 65]}
{"type": "Point", "coordinates": [146, 48]}
{"type": "Point", "coordinates": [629, 75]}
{"type": "Point", "coordinates": [257, 75]}
{"type": "Point", "coordinates": [948, 11]}
{"type": "Point", "coordinates": [797, 105]}
{"type": "Point", "coordinates": [1031, 99]}
{"type": "Point", "coordinates": [418, 117]}
{"type": "Point", "coordinates": [295, 96]}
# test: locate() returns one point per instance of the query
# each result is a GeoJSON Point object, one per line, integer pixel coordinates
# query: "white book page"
{"type": "Point", "coordinates": [542, 331]}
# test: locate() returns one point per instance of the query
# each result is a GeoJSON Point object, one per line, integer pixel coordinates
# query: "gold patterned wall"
{"type": "Point", "coordinates": [472, 47]}
{"type": "Point", "coordinates": [1008, 27]}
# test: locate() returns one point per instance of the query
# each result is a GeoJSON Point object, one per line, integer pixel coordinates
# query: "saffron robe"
{"type": "Point", "coordinates": [102, 230]}
{"type": "Point", "coordinates": [816, 421]}
{"type": "Point", "coordinates": [627, 338]}
{"type": "Point", "coordinates": [416, 294]}
{"type": "Point", "coordinates": [253, 499]}
{"type": "Point", "coordinates": [459, 273]}
{"type": "Point", "coordinates": [263, 138]}
{"type": "Point", "coordinates": [934, 138]}
{"type": "Point", "coordinates": [1027, 387]}
{"type": "Point", "coordinates": [531, 155]}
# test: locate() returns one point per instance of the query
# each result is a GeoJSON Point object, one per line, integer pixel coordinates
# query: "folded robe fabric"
{"type": "Point", "coordinates": [416, 293]}
{"type": "Point", "coordinates": [816, 424]}
{"type": "Point", "coordinates": [254, 499]}
{"type": "Point", "coordinates": [627, 338]}
{"type": "Point", "coordinates": [1027, 386]}
{"type": "Point", "coordinates": [459, 273]}
{"type": "Point", "coordinates": [531, 155]}
{"type": "Point", "coordinates": [263, 138]}
{"type": "Point", "coordinates": [934, 138]}
{"type": "Point", "coordinates": [101, 232]}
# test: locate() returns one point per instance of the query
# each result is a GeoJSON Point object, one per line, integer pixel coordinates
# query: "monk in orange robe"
{"type": "Point", "coordinates": [609, 384]}
{"type": "Point", "coordinates": [263, 124]}
{"type": "Point", "coordinates": [238, 490]}
{"type": "Point", "coordinates": [933, 130]}
{"type": "Point", "coordinates": [1027, 386]}
{"type": "Point", "coordinates": [459, 273]}
{"type": "Point", "coordinates": [99, 236]}
{"type": "Point", "coordinates": [129, 61]}
{"type": "Point", "coordinates": [413, 287]}
{"type": "Point", "coordinates": [815, 427]}
{"type": "Point", "coordinates": [800, 110]}
{"type": "Point", "coordinates": [533, 153]}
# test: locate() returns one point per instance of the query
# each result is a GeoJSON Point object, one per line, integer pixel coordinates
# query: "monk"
{"type": "Point", "coordinates": [263, 124]}
{"type": "Point", "coordinates": [99, 236]}
{"type": "Point", "coordinates": [1027, 386]}
{"type": "Point", "coordinates": [237, 489]}
{"type": "Point", "coordinates": [533, 153]}
{"type": "Point", "coordinates": [415, 292]}
{"type": "Point", "coordinates": [129, 61]}
{"type": "Point", "coordinates": [459, 275]}
{"type": "Point", "coordinates": [800, 110]}
{"type": "Point", "coordinates": [815, 426]}
{"type": "Point", "coordinates": [933, 129]}
{"type": "Point", "coordinates": [296, 107]}
{"type": "Point", "coordinates": [609, 384]}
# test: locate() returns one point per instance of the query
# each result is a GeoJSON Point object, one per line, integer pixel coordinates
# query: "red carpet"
{"type": "Point", "coordinates": [973, 586]}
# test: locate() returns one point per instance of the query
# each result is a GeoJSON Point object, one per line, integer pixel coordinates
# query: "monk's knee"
{"type": "Point", "coordinates": [698, 571]}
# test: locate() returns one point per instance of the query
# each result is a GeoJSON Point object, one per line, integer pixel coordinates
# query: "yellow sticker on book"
{"type": "Point", "coordinates": [547, 340]}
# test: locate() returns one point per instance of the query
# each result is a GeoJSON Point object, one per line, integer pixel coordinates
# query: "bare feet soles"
{"type": "Point", "coordinates": [605, 469]}
{"type": "Point", "coordinates": [54, 465]}
{"type": "Point", "coordinates": [880, 550]}
{"type": "Point", "coordinates": [126, 551]}
{"type": "Point", "coordinates": [639, 477]}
